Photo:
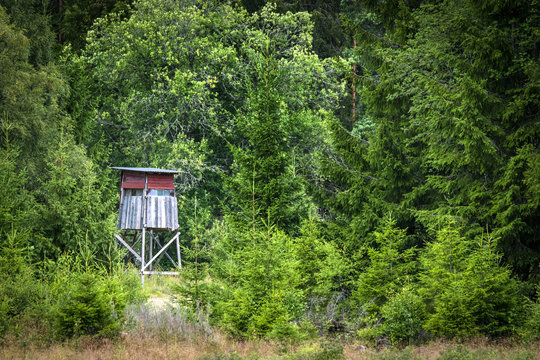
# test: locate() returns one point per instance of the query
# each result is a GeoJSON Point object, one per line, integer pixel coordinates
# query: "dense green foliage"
{"type": "Point", "coordinates": [466, 289]}
{"type": "Point", "coordinates": [355, 165]}
{"type": "Point", "coordinates": [86, 299]}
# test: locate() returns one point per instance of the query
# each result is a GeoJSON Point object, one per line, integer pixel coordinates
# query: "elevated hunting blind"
{"type": "Point", "coordinates": [148, 204]}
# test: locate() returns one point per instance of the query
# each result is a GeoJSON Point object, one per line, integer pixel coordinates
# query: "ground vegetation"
{"type": "Point", "coordinates": [355, 169]}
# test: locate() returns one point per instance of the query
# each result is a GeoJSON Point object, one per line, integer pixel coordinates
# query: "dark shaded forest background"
{"type": "Point", "coordinates": [368, 165]}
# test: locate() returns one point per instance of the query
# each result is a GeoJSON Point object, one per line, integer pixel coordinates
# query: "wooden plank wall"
{"type": "Point", "coordinates": [131, 209]}
{"type": "Point", "coordinates": [161, 212]}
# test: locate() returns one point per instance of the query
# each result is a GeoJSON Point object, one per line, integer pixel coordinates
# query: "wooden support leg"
{"type": "Point", "coordinates": [126, 245]}
{"type": "Point", "coordinates": [142, 255]}
{"type": "Point", "coordinates": [151, 248]}
{"type": "Point", "coordinates": [158, 243]}
{"type": "Point", "coordinates": [178, 251]}
{"type": "Point", "coordinates": [160, 252]}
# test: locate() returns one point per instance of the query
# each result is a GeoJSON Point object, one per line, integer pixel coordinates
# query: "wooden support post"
{"type": "Point", "coordinates": [142, 255]}
{"type": "Point", "coordinates": [143, 266]}
{"type": "Point", "coordinates": [167, 255]}
{"type": "Point", "coordinates": [160, 251]}
{"type": "Point", "coordinates": [127, 246]}
{"type": "Point", "coordinates": [130, 245]}
{"type": "Point", "coordinates": [178, 250]}
{"type": "Point", "coordinates": [151, 247]}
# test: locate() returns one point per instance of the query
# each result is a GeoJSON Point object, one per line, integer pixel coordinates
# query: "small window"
{"type": "Point", "coordinates": [135, 192]}
{"type": "Point", "coordinates": [160, 192]}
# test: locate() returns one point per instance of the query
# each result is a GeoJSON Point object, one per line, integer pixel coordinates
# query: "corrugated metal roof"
{"type": "Point", "coordinates": [147, 170]}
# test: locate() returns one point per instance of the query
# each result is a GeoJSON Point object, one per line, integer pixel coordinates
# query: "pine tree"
{"type": "Point", "coordinates": [76, 206]}
{"type": "Point", "coordinates": [466, 289]}
{"type": "Point", "coordinates": [20, 290]}
{"type": "Point", "coordinates": [194, 288]}
{"type": "Point", "coordinates": [450, 89]}
{"type": "Point", "coordinates": [261, 185]}
{"type": "Point", "coordinates": [260, 291]}
{"type": "Point", "coordinates": [392, 265]}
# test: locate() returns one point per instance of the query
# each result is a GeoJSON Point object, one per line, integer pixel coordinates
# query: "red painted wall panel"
{"type": "Point", "coordinates": [132, 180]}
{"type": "Point", "coordinates": [160, 181]}
{"type": "Point", "coordinates": [135, 180]}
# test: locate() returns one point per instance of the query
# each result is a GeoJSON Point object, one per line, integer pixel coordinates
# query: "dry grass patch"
{"type": "Point", "coordinates": [135, 347]}
{"type": "Point", "coordinates": [478, 348]}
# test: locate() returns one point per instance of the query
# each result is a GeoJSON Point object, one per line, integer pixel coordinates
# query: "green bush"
{"type": "Point", "coordinates": [237, 312]}
{"type": "Point", "coordinates": [466, 290]}
{"type": "Point", "coordinates": [391, 264]}
{"type": "Point", "coordinates": [21, 293]}
{"type": "Point", "coordinates": [20, 296]}
{"type": "Point", "coordinates": [403, 316]}
{"type": "Point", "coordinates": [86, 310]}
{"type": "Point", "coordinates": [454, 313]}
{"type": "Point", "coordinates": [87, 300]}
{"type": "Point", "coordinates": [271, 317]}
{"type": "Point", "coordinates": [4, 316]}
{"type": "Point", "coordinates": [259, 294]}
{"type": "Point", "coordinates": [531, 326]}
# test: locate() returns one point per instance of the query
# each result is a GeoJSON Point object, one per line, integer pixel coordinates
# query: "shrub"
{"type": "Point", "coordinates": [531, 326]}
{"type": "Point", "coordinates": [403, 316]}
{"type": "Point", "coordinates": [391, 264]}
{"type": "Point", "coordinates": [20, 292]}
{"type": "Point", "coordinates": [466, 290]}
{"type": "Point", "coordinates": [86, 310]}
{"type": "Point", "coordinates": [237, 313]}
{"type": "Point", "coordinates": [4, 316]}
{"type": "Point", "coordinates": [259, 294]}
{"type": "Point", "coordinates": [86, 300]}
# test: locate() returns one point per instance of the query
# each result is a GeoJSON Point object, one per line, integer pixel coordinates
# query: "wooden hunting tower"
{"type": "Point", "coordinates": [148, 204]}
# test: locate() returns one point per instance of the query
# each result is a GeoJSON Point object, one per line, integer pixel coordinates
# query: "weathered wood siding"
{"type": "Point", "coordinates": [161, 212]}
{"type": "Point", "coordinates": [130, 215]}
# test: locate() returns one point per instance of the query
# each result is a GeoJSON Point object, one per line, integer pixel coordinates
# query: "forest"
{"type": "Point", "coordinates": [350, 171]}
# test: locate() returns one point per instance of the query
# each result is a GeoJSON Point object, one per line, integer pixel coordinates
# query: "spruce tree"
{"type": "Point", "coordinates": [450, 89]}
{"type": "Point", "coordinates": [261, 186]}
{"type": "Point", "coordinates": [392, 265]}
{"type": "Point", "coordinates": [466, 289]}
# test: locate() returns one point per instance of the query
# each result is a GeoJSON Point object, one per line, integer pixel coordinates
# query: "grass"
{"type": "Point", "coordinates": [144, 346]}
{"type": "Point", "coordinates": [158, 286]}
{"type": "Point", "coordinates": [136, 347]}
{"type": "Point", "coordinates": [480, 348]}
{"type": "Point", "coordinates": [159, 329]}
